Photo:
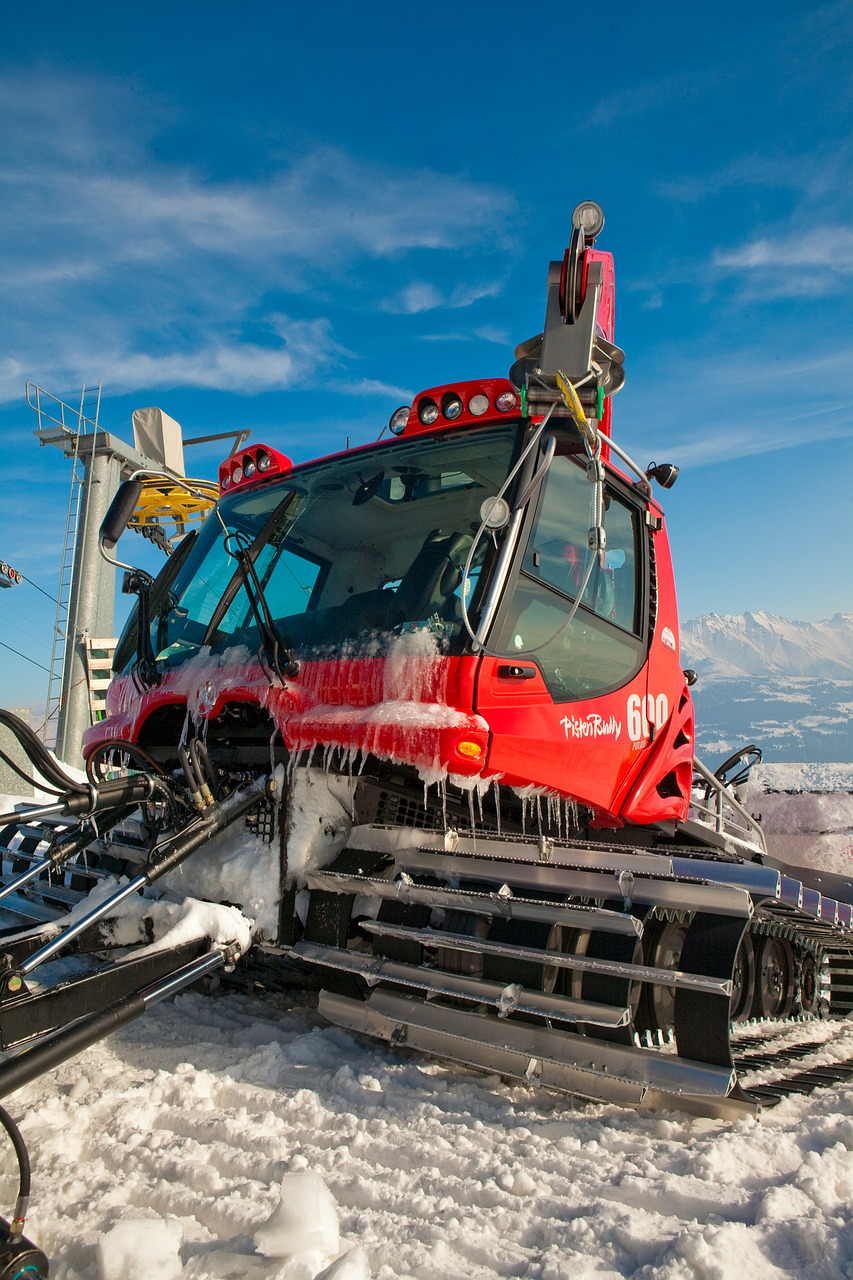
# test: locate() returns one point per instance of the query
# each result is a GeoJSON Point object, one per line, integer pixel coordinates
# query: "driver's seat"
{"type": "Point", "coordinates": [432, 577]}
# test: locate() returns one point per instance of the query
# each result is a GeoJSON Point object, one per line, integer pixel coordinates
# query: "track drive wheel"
{"type": "Point", "coordinates": [664, 942]}
{"type": "Point", "coordinates": [808, 986]}
{"type": "Point", "coordinates": [743, 981]}
{"type": "Point", "coordinates": [774, 978]}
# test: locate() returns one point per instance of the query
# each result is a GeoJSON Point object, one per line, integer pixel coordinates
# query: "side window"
{"type": "Point", "coordinates": [559, 556]}
{"type": "Point", "coordinates": [601, 647]}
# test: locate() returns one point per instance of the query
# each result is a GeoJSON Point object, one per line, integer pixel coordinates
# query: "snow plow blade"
{"type": "Point", "coordinates": [25, 1015]}
{"type": "Point", "coordinates": [73, 1039]}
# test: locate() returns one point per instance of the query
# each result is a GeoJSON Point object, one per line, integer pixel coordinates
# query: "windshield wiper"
{"type": "Point", "coordinates": [275, 658]}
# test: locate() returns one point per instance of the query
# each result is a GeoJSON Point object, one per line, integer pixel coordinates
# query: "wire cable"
{"type": "Point", "coordinates": [24, 656]}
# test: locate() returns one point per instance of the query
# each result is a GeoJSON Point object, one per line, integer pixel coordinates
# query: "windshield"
{"type": "Point", "coordinates": [345, 549]}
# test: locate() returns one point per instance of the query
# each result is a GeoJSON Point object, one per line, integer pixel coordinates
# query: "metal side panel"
{"type": "Point", "coordinates": [508, 907]}
{"type": "Point", "coordinates": [552, 877]}
{"type": "Point", "coordinates": [578, 1065]}
{"type": "Point", "coordinates": [763, 882]}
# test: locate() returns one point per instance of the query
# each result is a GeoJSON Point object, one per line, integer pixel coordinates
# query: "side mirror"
{"type": "Point", "coordinates": [120, 510]}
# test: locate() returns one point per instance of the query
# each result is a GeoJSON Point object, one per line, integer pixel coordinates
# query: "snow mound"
{"type": "Point", "coordinates": [140, 1248]}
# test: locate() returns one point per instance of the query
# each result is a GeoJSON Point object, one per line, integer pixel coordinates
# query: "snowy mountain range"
{"type": "Point", "coordinates": [787, 686]}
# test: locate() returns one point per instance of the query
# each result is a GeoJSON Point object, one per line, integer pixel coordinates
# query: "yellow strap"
{"type": "Point", "coordinates": [575, 408]}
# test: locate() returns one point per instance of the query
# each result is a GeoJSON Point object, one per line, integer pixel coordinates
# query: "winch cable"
{"type": "Point", "coordinates": [595, 474]}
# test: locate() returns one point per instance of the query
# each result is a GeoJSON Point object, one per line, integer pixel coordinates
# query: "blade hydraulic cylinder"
{"type": "Point", "coordinates": [170, 854]}
{"type": "Point", "coordinates": [64, 1044]}
{"type": "Point", "coordinates": [67, 847]}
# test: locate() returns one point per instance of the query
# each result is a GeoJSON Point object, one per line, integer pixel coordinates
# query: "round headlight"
{"type": "Point", "coordinates": [264, 461]}
{"type": "Point", "coordinates": [495, 513]}
{"type": "Point", "coordinates": [398, 420]}
{"type": "Point", "coordinates": [478, 405]}
{"type": "Point", "coordinates": [451, 405]}
{"type": "Point", "coordinates": [506, 400]}
{"type": "Point", "coordinates": [226, 482]}
{"type": "Point", "coordinates": [588, 217]}
{"type": "Point", "coordinates": [249, 468]}
{"type": "Point", "coordinates": [237, 474]}
{"type": "Point", "coordinates": [428, 412]}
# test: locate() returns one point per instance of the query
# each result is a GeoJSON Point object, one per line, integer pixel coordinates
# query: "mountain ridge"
{"type": "Point", "coordinates": [727, 646]}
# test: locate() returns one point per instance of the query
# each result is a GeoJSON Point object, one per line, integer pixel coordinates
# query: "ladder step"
{"type": "Point", "coordinates": [435, 982]}
{"type": "Point", "coordinates": [488, 904]}
{"type": "Point", "coordinates": [557, 959]}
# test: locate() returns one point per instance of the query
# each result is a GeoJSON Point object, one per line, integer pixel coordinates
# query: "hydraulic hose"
{"type": "Point", "coordinates": [38, 754]}
{"type": "Point", "coordinates": [19, 1257]}
{"type": "Point", "coordinates": [23, 1168]}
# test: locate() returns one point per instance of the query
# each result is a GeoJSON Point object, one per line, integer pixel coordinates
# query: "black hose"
{"type": "Point", "coordinates": [20, 1151]}
{"type": "Point", "coordinates": [38, 754]}
{"type": "Point", "coordinates": [129, 748]}
{"type": "Point", "coordinates": [39, 785]}
{"type": "Point", "coordinates": [193, 782]}
{"type": "Point", "coordinates": [210, 769]}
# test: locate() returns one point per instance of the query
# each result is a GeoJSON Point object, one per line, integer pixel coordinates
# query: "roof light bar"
{"type": "Point", "coordinates": [251, 466]}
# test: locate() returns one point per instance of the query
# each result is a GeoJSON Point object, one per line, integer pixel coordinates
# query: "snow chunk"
{"type": "Point", "coordinates": [139, 1248]}
{"type": "Point", "coordinates": [306, 1219]}
{"type": "Point", "coordinates": [350, 1266]}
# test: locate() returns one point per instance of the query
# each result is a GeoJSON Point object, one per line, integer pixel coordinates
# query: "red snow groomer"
{"type": "Point", "coordinates": [415, 714]}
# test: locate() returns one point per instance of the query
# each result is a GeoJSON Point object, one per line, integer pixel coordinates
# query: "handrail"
{"type": "Point", "coordinates": [721, 810]}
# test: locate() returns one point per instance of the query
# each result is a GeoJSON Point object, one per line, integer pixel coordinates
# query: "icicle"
{"type": "Point", "coordinates": [471, 816]}
{"type": "Point", "coordinates": [497, 790]}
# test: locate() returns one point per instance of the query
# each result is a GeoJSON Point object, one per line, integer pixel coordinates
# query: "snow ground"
{"type": "Point", "coordinates": [177, 1132]}
{"type": "Point", "coordinates": [236, 1137]}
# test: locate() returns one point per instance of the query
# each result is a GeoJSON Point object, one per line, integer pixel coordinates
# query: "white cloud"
{"type": "Point", "coordinates": [717, 411]}
{"type": "Point", "coordinates": [416, 297]}
{"type": "Point", "coordinates": [828, 248]}
{"type": "Point", "coordinates": [141, 269]}
{"type": "Point", "coordinates": [299, 350]}
{"type": "Point", "coordinates": [422, 295]}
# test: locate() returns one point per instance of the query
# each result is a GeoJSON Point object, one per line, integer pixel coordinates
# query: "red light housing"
{"type": "Point", "coordinates": [466, 404]}
{"type": "Point", "coordinates": [252, 466]}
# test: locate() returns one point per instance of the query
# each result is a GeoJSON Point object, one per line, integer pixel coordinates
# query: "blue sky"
{"type": "Point", "coordinates": [292, 217]}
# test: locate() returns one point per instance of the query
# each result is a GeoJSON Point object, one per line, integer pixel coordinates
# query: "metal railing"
{"type": "Point", "coordinates": [714, 805]}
